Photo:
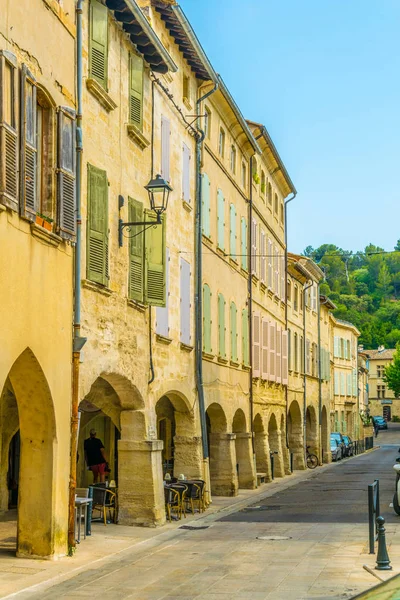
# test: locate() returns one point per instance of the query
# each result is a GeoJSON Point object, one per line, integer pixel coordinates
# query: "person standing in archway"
{"type": "Point", "coordinates": [95, 457]}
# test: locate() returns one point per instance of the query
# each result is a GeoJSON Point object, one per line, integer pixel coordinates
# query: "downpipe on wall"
{"type": "Point", "coordinates": [306, 287]}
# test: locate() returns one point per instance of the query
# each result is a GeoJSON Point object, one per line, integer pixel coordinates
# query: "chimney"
{"type": "Point", "coordinates": [381, 348]}
{"type": "Point", "coordinates": [361, 348]}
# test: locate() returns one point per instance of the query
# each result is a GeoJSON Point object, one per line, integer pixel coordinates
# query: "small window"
{"type": "Point", "coordinates": [263, 190]}
{"type": "Point", "coordinates": [301, 302]}
{"type": "Point", "coordinates": [276, 205]}
{"type": "Point", "coordinates": [45, 125]}
{"type": "Point", "coordinates": [289, 290]}
{"type": "Point", "coordinates": [255, 175]}
{"type": "Point", "coordinates": [380, 370]}
{"type": "Point", "coordinates": [296, 298]}
{"type": "Point", "coordinates": [207, 122]}
{"type": "Point", "coordinates": [221, 144]}
{"type": "Point", "coordinates": [186, 88]}
{"type": "Point", "coordinates": [233, 159]}
{"type": "Point", "coordinates": [244, 175]}
{"type": "Point", "coordinates": [296, 353]}
{"type": "Point", "coordinates": [281, 214]}
{"type": "Point", "coordinates": [270, 194]}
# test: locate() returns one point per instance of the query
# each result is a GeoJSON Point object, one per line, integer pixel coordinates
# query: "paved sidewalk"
{"type": "Point", "coordinates": [324, 558]}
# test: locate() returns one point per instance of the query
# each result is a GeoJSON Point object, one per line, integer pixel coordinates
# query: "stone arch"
{"type": "Point", "coordinates": [222, 453]}
{"type": "Point", "coordinates": [325, 436]}
{"type": "Point", "coordinates": [312, 430]}
{"type": "Point", "coordinates": [244, 451]}
{"type": "Point", "coordinates": [261, 444]}
{"type": "Point", "coordinates": [27, 405]}
{"type": "Point", "coordinates": [216, 418]}
{"type": "Point", "coordinates": [285, 451]}
{"type": "Point", "coordinates": [274, 438]}
{"type": "Point", "coordinates": [295, 435]}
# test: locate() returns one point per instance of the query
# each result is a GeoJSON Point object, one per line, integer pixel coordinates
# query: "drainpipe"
{"type": "Point", "coordinates": [78, 341]}
{"type": "Point", "coordinates": [319, 374]}
{"type": "Point", "coordinates": [286, 312]}
{"type": "Point", "coordinates": [305, 370]}
{"type": "Point", "coordinates": [250, 303]}
{"type": "Point", "coordinates": [198, 297]}
{"type": "Point", "coordinates": [151, 363]}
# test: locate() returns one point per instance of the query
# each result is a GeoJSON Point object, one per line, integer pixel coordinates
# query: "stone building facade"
{"type": "Point", "coordinates": [381, 400]}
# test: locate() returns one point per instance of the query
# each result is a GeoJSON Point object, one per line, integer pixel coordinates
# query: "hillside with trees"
{"type": "Point", "coordinates": [365, 286]}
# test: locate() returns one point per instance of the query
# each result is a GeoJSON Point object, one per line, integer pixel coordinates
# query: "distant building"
{"type": "Point", "coordinates": [381, 399]}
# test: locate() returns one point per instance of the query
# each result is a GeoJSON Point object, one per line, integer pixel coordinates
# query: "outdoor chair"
{"type": "Point", "coordinates": [181, 488]}
{"type": "Point", "coordinates": [172, 502]}
{"type": "Point", "coordinates": [194, 495]}
{"type": "Point", "coordinates": [103, 500]}
{"type": "Point", "coordinates": [201, 494]}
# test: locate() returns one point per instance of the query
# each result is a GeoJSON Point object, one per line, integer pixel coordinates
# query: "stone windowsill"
{"type": "Point", "coordinates": [208, 356]}
{"type": "Point", "coordinates": [96, 287]}
{"type": "Point", "coordinates": [233, 262]}
{"type": "Point", "coordinates": [245, 367]}
{"type": "Point", "coordinates": [100, 94]}
{"type": "Point", "coordinates": [263, 287]}
{"type": "Point", "coordinates": [2, 207]}
{"type": "Point", "coordinates": [244, 272]}
{"type": "Point", "coordinates": [254, 278]}
{"type": "Point", "coordinates": [186, 347]}
{"type": "Point", "coordinates": [221, 252]}
{"type": "Point", "coordinates": [187, 103]}
{"type": "Point", "coordinates": [187, 206]}
{"type": "Point", "coordinates": [207, 240]}
{"type": "Point", "coordinates": [46, 236]}
{"type": "Point", "coordinates": [222, 360]}
{"type": "Point", "coordinates": [135, 304]}
{"type": "Point", "coordinates": [137, 136]}
{"type": "Point", "coordinates": [163, 339]}
{"type": "Point", "coordinates": [234, 363]}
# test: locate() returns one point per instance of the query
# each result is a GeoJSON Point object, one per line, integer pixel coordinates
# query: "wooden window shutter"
{"type": "Point", "coordinates": [185, 173]}
{"type": "Point", "coordinates": [308, 358]}
{"type": "Point", "coordinates": [233, 324]}
{"type": "Point", "coordinates": [155, 261]}
{"type": "Point", "coordinates": [272, 351]}
{"type": "Point", "coordinates": [97, 226]}
{"type": "Point", "coordinates": [221, 326]}
{"type": "Point", "coordinates": [336, 347]}
{"type": "Point", "coordinates": [205, 205]}
{"type": "Point", "coordinates": [290, 350]}
{"type": "Point", "coordinates": [328, 366]}
{"type": "Point", "coordinates": [336, 385]}
{"type": "Point", "coordinates": [9, 153]}
{"type": "Point", "coordinates": [285, 356]}
{"type": "Point", "coordinates": [276, 270]}
{"type": "Point", "coordinates": [278, 359]}
{"type": "Point", "coordinates": [28, 153]}
{"type": "Point", "coordinates": [245, 336]}
{"type": "Point", "coordinates": [136, 253]}
{"type": "Point", "coordinates": [165, 147]}
{"type": "Point", "coordinates": [66, 164]}
{"type": "Point", "coordinates": [207, 319]}
{"type": "Point", "coordinates": [256, 344]}
{"type": "Point", "coordinates": [322, 360]}
{"type": "Point", "coordinates": [220, 220]}
{"type": "Point", "coordinates": [232, 232]}
{"type": "Point", "coordinates": [283, 278]}
{"type": "Point", "coordinates": [98, 43]}
{"type": "Point", "coordinates": [263, 259]}
{"type": "Point", "coordinates": [265, 349]}
{"type": "Point", "coordinates": [254, 247]}
{"type": "Point", "coordinates": [185, 302]}
{"type": "Point", "coordinates": [244, 244]}
{"type": "Point", "coordinates": [355, 390]}
{"type": "Point", "coordinates": [342, 384]}
{"type": "Point", "coordinates": [349, 385]}
{"type": "Point", "coordinates": [136, 91]}
{"type": "Point", "coordinates": [162, 312]}
{"type": "Point", "coordinates": [270, 278]}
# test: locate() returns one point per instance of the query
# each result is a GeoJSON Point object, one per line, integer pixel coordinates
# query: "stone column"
{"type": "Point", "coordinates": [188, 457]}
{"type": "Point", "coordinates": [244, 459]}
{"type": "Point", "coordinates": [279, 467]}
{"type": "Point", "coordinates": [224, 481]}
{"type": "Point", "coordinates": [140, 483]}
{"type": "Point", "coordinates": [263, 460]}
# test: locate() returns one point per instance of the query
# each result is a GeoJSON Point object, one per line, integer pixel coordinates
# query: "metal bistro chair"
{"type": "Point", "coordinates": [182, 490]}
{"type": "Point", "coordinates": [194, 495]}
{"type": "Point", "coordinates": [103, 500]}
{"type": "Point", "coordinates": [172, 502]}
{"type": "Point", "coordinates": [202, 494]}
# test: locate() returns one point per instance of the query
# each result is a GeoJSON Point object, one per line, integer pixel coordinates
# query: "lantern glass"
{"type": "Point", "coordinates": [158, 190]}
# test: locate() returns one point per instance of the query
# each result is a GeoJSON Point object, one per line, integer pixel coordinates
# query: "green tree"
{"type": "Point", "coordinates": [392, 373]}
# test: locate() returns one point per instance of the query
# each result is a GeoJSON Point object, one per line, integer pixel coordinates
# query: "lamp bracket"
{"type": "Point", "coordinates": [146, 224]}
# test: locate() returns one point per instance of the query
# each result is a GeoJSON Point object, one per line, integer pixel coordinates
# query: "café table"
{"type": "Point", "coordinates": [81, 506]}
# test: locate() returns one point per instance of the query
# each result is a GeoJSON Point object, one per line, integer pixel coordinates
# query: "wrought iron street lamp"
{"type": "Point", "coordinates": [159, 191]}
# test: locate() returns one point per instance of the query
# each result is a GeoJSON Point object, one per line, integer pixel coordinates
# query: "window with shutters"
{"type": "Point", "coordinates": [295, 353]}
{"type": "Point", "coordinates": [263, 185]}
{"type": "Point", "coordinates": [9, 130]}
{"type": "Point", "coordinates": [136, 253]}
{"type": "Point", "coordinates": [185, 302]}
{"type": "Point", "coordinates": [165, 148]}
{"type": "Point", "coordinates": [272, 351]}
{"type": "Point", "coordinates": [207, 348]}
{"type": "Point", "coordinates": [301, 301]}
{"type": "Point", "coordinates": [98, 43]}
{"type": "Point", "coordinates": [270, 195]}
{"type": "Point", "coordinates": [66, 224]}
{"type": "Point", "coordinates": [276, 202]}
{"type": "Point", "coordinates": [186, 158]}
{"type": "Point", "coordinates": [45, 156]}
{"type": "Point", "coordinates": [348, 350]}
{"type": "Point", "coordinates": [254, 261]}
{"type": "Point", "coordinates": [281, 214]}
{"type": "Point", "coordinates": [221, 327]}
{"type": "Point", "coordinates": [136, 91]}
{"type": "Point", "coordinates": [336, 346]}
{"type": "Point", "coordinates": [278, 355]}
{"type": "Point", "coordinates": [285, 356]}
{"type": "Point", "coordinates": [256, 349]}
{"type": "Point", "coordinates": [290, 349]}
{"type": "Point", "coordinates": [296, 298]}
{"type": "Point", "coordinates": [270, 265]}
{"type": "Point", "coordinates": [282, 275]}
{"type": "Point", "coordinates": [97, 226]}
{"type": "Point", "coordinates": [244, 175]}
{"type": "Point", "coordinates": [207, 122]}
{"type": "Point", "coordinates": [28, 151]}
{"type": "Point", "coordinates": [289, 291]}
{"type": "Point", "coordinates": [221, 143]}
{"type": "Point", "coordinates": [336, 384]}
{"type": "Point", "coordinates": [220, 220]}
{"type": "Point", "coordinates": [245, 337]}
{"type": "Point", "coordinates": [349, 385]}
{"type": "Point", "coordinates": [342, 385]}
{"type": "Point", "coordinates": [233, 159]}
{"type": "Point", "coordinates": [265, 349]}
{"type": "Point", "coordinates": [232, 232]}
{"type": "Point", "coordinates": [263, 257]}
{"type": "Point", "coordinates": [186, 95]}
{"type": "Point", "coordinates": [243, 228]}
{"type": "Point", "coordinates": [155, 261]}
{"type": "Point", "coordinates": [301, 354]}
{"type": "Point", "coordinates": [162, 312]}
{"type": "Point", "coordinates": [205, 205]}
{"type": "Point", "coordinates": [308, 357]}
{"type": "Point", "coordinates": [234, 333]}
{"type": "Point", "coordinates": [276, 270]}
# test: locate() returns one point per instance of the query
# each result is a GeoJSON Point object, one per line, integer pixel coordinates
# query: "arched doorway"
{"type": "Point", "coordinates": [312, 430]}
{"type": "Point", "coordinates": [274, 439]}
{"type": "Point", "coordinates": [263, 461]}
{"type": "Point", "coordinates": [244, 451]}
{"type": "Point", "coordinates": [166, 432]}
{"type": "Point", "coordinates": [29, 440]}
{"type": "Point", "coordinates": [326, 454]}
{"type": "Point", "coordinates": [295, 435]}
{"type": "Point", "coordinates": [222, 453]}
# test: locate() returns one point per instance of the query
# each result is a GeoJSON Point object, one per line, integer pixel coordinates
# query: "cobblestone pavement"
{"type": "Point", "coordinates": [322, 521]}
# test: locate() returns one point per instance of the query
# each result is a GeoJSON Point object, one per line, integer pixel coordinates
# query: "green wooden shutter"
{"type": "Point", "coordinates": [220, 220]}
{"type": "Point", "coordinates": [245, 336]}
{"type": "Point", "coordinates": [205, 205]}
{"type": "Point", "coordinates": [207, 319]}
{"type": "Point", "coordinates": [233, 313]}
{"type": "Point", "coordinates": [97, 226]}
{"type": "Point", "coordinates": [221, 326]}
{"type": "Point", "coordinates": [136, 91]}
{"type": "Point", "coordinates": [244, 243]}
{"type": "Point", "coordinates": [232, 231]}
{"type": "Point", "coordinates": [155, 261]}
{"type": "Point", "coordinates": [28, 153]}
{"type": "Point", "coordinates": [98, 43]}
{"type": "Point", "coordinates": [136, 262]}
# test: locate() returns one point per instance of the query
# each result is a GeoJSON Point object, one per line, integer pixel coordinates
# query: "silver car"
{"type": "Point", "coordinates": [335, 449]}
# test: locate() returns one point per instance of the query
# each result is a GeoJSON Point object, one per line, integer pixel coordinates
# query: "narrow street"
{"type": "Point", "coordinates": [323, 525]}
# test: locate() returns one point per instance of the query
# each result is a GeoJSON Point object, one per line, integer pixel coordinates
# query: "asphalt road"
{"type": "Point", "coordinates": [337, 495]}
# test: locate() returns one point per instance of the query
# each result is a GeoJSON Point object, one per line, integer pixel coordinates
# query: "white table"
{"type": "Point", "coordinates": [81, 503]}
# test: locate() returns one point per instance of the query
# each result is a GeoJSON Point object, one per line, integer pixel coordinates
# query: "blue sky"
{"type": "Point", "coordinates": [324, 78]}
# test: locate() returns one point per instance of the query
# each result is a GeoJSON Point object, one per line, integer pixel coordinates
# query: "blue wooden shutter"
{"type": "Point", "coordinates": [185, 173]}
{"type": "Point", "coordinates": [185, 302]}
{"type": "Point", "coordinates": [98, 42]}
{"type": "Point", "coordinates": [136, 255]}
{"type": "Point", "coordinates": [233, 324]}
{"type": "Point", "coordinates": [336, 384]}
{"type": "Point", "coordinates": [97, 226]}
{"type": "Point", "coordinates": [155, 292]}
{"type": "Point", "coordinates": [162, 312]}
{"type": "Point", "coordinates": [207, 319]}
{"type": "Point", "coordinates": [66, 203]}
{"type": "Point", "coordinates": [221, 326]}
{"type": "Point", "coordinates": [220, 220]}
{"type": "Point", "coordinates": [232, 231]}
{"type": "Point", "coordinates": [165, 148]}
{"type": "Point", "coordinates": [28, 153]}
{"type": "Point", "coordinates": [205, 205]}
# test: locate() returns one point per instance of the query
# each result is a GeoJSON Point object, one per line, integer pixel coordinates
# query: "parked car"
{"type": "Point", "coordinates": [380, 422]}
{"type": "Point", "coordinates": [338, 436]}
{"type": "Point", "coordinates": [335, 449]}
{"type": "Point", "coordinates": [349, 445]}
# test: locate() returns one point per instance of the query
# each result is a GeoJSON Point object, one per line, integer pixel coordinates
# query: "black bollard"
{"type": "Point", "coordinates": [382, 560]}
{"type": "Point", "coordinates": [272, 467]}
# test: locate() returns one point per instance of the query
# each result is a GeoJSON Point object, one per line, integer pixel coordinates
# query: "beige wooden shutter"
{"type": "Point", "coordinates": [263, 260]}
{"type": "Point", "coordinates": [278, 359]}
{"type": "Point", "coordinates": [283, 278]}
{"type": "Point", "coordinates": [276, 270]}
{"type": "Point", "coordinates": [8, 130]}
{"type": "Point", "coordinates": [272, 350]}
{"type": "Point", "coordinates": [256, 345]}
{"type": "Point", "coordinates": [270, 265]}
{"type": "Point", "coordinates": [308, 358]}
{"type": "Point", "coordinates": [28, 152]}
{"type": "Point", "coordinates": [285, 357]}
{"type": "Point", "coordinates": [265, 351]}
{"type": "Point", "coordinates": [253, 260]}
